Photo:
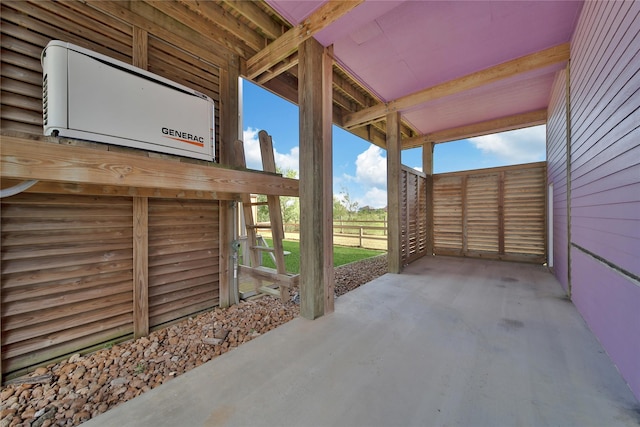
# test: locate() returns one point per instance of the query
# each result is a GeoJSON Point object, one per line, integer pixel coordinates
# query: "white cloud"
{"type": "Point", "coordinates": [518, 146]}
{"type": "Point", "coordinates": [371, 174]}
{"type": "Point", "coordinates": [375, 198]}
{"type": "Point", "coordinates": [254, 158]}
{"type": "Point", "coordinates": [371, 167]}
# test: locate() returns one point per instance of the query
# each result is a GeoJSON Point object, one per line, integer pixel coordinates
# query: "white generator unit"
{"type": "Point", "coordinates": [90, 96]}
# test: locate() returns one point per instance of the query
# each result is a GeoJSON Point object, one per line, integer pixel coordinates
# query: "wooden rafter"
{"type": "Point", "coordinates": [288, 43]}
{"type": "Point", "coordinates": [502, 124]}
{"type": "Point", "coordinates": [493, 74]}
{"type": "Point", "coordinates": [257, 16]}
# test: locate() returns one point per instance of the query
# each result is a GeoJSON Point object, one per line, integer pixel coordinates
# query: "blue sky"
{"type": "Point", "coordinates": [359, 168]}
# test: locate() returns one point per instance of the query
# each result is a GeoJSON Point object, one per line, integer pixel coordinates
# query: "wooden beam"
{"type": "Point", "coordinates": [257, 16]}
{"type": "Point", "coordinates": [140, 267]}
{"type": "Point", "coordinates": [22, 158]}
{"type": "Point", "coordinates": [231, 25]}
{"type": "Point", "coordinates": [112, 190]}
{"type": "Point", "coordinates": [287, 64]}
{"type": "Point", "coordinates": [394, 193]}
{"type": "Point", "coordinates": [288, 43]}
{"type": "Point", "coordinates": [140, 48]}
{"type": "Point", "coordinates": [327, 182]}
{"type": "Point", "coordinates": [229, 293]}
{"type": "Point", "coordinates": [541, 59]}
{"type": "Point", "coordinates": [427, 168]}
{"type": "Point", "coordinates": [315, 180]}
{"type": "Point", "coordinates": [503, 124]}
{"type": "Point", "coordinates": [517, 121]}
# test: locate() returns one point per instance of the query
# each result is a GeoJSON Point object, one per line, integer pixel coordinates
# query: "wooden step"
{"type": "Point", "coordinates": [257, 204]}
{"type": "Point", "coordinates": [255, 226]}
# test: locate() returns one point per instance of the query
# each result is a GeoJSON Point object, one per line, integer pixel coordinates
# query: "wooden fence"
{"type": "Point", "coordinates": [492, 213]}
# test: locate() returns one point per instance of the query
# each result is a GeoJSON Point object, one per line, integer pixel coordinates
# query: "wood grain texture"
{"type": "Point", "coordinates": [67, 273]}
{"type": "Point", "coordinates": [140, 266]}
{"type": "Point", "coordinates": [493, 213]}
{"type": "Point", "coordinates": [183, 258]}
{"type": "Point", "coordinates": [26, 159]}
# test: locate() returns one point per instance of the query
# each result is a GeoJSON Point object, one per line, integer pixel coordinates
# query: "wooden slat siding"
{"type": "Point", "coordinates": [482, 213]}
{"type": "Point", "coordinates": [557, 174]}
{"type": "Point", "coordinates": [494, 213]}
{"type": "Point", "coordinates": [183, 258]}
{"type": "Point", "coordinates": [66, 274]}
{"type": "Point", "coordinates": [447, 214]}
{"type": "Point", "coordinates": [605, 130]}
{"type": "Point", "coordinates": [26, 29]}
{"type": "Point", "coordinates": [524, 212]}
{"type": "Point", "coordinates": [414, 208]}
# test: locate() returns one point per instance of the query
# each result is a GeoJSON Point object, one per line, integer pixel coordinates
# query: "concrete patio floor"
{"type": "Point", "coordinates": [449, 342]}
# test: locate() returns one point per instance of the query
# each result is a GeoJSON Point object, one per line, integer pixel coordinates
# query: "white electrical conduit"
{"type": "Point", "coordinates": [16, 189]}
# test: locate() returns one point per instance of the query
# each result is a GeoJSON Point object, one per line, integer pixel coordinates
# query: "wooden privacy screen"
{"type": "Point", "coordinates": [413, 231]}
{"type": "Point", "coordinates": [67, 270]}
{"type": "Point", "coordinates": [493, 213]}
{"type": "Point", "coordinates": [183, 258]}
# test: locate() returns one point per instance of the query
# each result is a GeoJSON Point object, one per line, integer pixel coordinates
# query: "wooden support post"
{"type": "Point", "coordinates": [465, 214]}
{"type": "Point", "coordinates": [230, 92]}
{"type": "Point", "coordinates": [140, 267]}
{"type": "Point", "coordinates": [427, 168]}
{"type": "Point", "coordinates": [394, 192]}
{"type": "Point", "coordinates": [314, 92]}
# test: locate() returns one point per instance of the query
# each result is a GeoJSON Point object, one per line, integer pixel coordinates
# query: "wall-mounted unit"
{"type": "Point", "coordinates": [90, 96]}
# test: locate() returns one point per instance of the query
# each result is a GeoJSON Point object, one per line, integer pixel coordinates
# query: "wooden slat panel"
{"type": "Point", "coordinates": [476, 213]}
{"type": "Point", "coordinates": [66, 273]}
{"type": "Point", "coordinates": [447, 213]}
{"type": "Point", "coordinates": [482, 213]}
{"type": "Point", "coordinates": [413, 214]}
{"type": "Point", "coordinates": [183, 258]}
{"type": "Point", "coordinates": [524, 211]}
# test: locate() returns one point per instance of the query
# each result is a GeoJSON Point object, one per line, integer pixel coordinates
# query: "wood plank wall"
{"type": "Point", "coordinates": [413, 231]}
{"type": "Point", "coordinates": [183, 258]}
{"type": "Point", "coordinates": [69, 261]}
{"type": "Point", "coordinates": [557, 175]}
{"type": "Point", "coordinates": [491, 213]}
{"type": "Point", "coordinates": [27, 27]}
{"type": "Point", "coordinates": [66, 275]}
{"type": "Point", "coordinates": [605, 179]}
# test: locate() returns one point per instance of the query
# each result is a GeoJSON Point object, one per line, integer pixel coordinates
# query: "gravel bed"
{"type": "Point", "coordinates": [83, 386]}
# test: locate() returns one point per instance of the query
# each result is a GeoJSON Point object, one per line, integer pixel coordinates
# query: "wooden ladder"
{"type": "Point", "coordinates": [255, 244]}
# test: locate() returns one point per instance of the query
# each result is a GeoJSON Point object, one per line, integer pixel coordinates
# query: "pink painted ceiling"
{"type": "Point", "coordinates": [396, 48]}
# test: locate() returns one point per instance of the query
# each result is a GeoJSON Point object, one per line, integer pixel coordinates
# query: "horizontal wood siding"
{"type": "Point", "coordinates": [183, 258]}
{"type": "Point", "coordinates": [494, 213]}
{"type": "Point", "coordinates": [605, 178]}
{"type": "Point", "coordinates": [524, 212]}
{"type": "Point", "coordinates": [447, 215]}
{"type": "Point", "coordinates": [482, 212]}
{"type": "Point", "coordinates": [175, 64]}
{"type": "Point", "coordinates": [414, 215]}
{"type": "Point", "coordinates": [557, 174]}
{"type": "Point", "coordinates": [66, 275]}
{"type": "Point", "coordinates": [27, 27]}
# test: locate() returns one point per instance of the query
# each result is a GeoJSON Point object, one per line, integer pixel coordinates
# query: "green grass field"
{"type": "Point", "coordinates": [341, 255]}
